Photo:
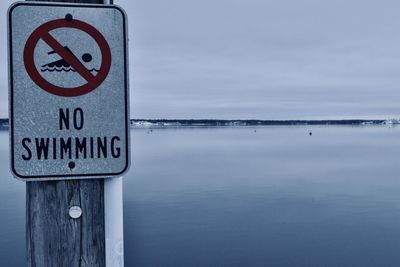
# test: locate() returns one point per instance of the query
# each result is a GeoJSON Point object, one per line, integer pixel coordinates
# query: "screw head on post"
{"type": "Point", "coordinates": [75, 212]}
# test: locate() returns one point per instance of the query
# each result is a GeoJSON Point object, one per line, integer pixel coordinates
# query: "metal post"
{"type": "Point", "coordinates": [74, 222]}
{"type": "Point", "coordinates": [114, 228]}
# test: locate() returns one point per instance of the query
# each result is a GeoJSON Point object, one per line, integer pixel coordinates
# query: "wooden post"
{"type": "Point", "coordinates": [53, 237]}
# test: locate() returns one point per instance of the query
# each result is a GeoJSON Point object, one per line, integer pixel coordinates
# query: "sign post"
{"type": "Point", "coordinates": [69, 114]}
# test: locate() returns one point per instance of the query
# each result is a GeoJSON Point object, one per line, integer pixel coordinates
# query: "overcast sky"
{"type": "Point", "coordinates": [261, 59]}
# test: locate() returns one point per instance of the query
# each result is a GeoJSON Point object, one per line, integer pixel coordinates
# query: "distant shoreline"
{"type": "Point", "coordinates": [143, 123]}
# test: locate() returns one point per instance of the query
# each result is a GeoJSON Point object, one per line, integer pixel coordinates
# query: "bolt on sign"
{"type": "Point", "coordinates": [69, 102]}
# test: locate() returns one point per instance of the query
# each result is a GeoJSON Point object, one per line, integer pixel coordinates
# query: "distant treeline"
{"type": "Point", "coordinates": [216, 123]}
{"type": "Point", "coordinates": [221, 123]}
{"type": "Point", "coordinates": [3, 124]}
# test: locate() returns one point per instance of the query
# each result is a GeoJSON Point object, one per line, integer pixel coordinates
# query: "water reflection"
{"type": "Point", "coordinates": [271, 197]}
{"type": "Point", "coordinates": [276, 196]}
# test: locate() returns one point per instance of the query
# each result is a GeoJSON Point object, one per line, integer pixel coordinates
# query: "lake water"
{"type": "Point", "coordinates": [264, 196]}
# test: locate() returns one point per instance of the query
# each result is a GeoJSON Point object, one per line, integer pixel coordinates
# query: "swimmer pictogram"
{"type": "Point", "coordinates": [62, 65]}
{"type": "Point", "coordinates": [68, 61]}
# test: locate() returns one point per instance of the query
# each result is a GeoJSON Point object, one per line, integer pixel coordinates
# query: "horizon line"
{"type": "Point", "coordinates": [145, 123]}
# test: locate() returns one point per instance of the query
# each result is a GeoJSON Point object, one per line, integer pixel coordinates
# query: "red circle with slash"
{"type": "Point", "coordinates": [42, 33]}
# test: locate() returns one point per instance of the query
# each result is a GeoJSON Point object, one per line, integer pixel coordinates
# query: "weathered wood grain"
{"type": "Point", "coordinates": [55, 239]}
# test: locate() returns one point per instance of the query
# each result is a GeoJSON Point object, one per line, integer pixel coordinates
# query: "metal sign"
{"type": "Point", "coordinates": [69, 102]}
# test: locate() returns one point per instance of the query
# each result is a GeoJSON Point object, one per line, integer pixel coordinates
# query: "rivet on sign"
{"type": "Point", "coordinates": [68, 17]}
{"type": "Point", "coordinates": [75, 212]}
{"type": "Point", "coordinates": [71, 165]}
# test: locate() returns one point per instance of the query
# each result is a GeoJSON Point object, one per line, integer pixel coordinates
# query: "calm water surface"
{"type": "Point", "coordinates": [269, 196]}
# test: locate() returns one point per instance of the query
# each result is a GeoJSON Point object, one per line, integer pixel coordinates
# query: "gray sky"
{"type": "Point", "coordinates": [263, 59]}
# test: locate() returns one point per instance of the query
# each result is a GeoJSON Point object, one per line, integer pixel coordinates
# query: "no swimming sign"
{"type": "Point", "coordinates": [69, 110]}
